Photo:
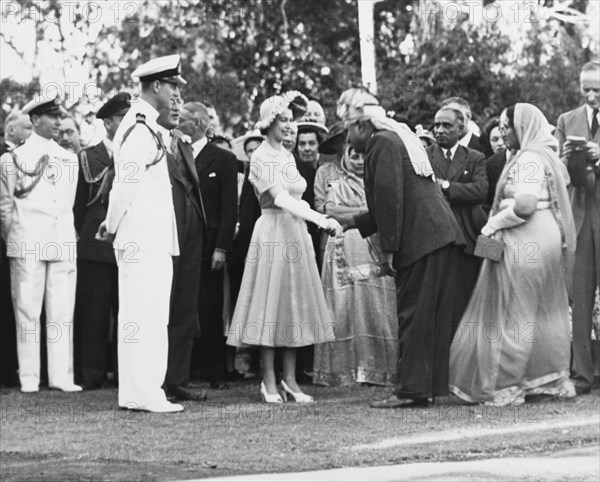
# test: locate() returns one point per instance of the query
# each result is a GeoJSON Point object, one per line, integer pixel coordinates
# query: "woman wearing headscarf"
{"type": "Point", "coordinates": [514, 339]}
{"type": "Point", "coordinates": [360, 298]}
{"type": "Point", "coordinates": [281, 302]}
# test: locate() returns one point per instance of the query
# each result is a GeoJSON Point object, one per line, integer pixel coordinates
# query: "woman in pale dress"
{"type": "Point", "coordinates": [281, 302]}
{"type": "Point", "coordinates": [513, 339]}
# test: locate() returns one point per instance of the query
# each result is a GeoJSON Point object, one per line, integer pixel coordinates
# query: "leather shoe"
{"type": "Point", "coordinates": [183, 394]}
{"type": "Point", "coordinates": [67, 387]}
{"type": "Point", "coordinates": [581, 388]}
{"type": "Point", "coordinates": [395, 402]}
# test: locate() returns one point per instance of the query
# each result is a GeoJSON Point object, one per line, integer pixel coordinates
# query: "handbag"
{"type": "Point", "coordinates": [489, 248]}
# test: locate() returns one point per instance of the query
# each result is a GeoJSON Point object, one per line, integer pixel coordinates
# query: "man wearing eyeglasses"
{"type": "Point", "coordinates": [579, 138]}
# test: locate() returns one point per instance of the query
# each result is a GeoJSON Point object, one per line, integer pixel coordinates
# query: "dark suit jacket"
{"type": "Point", "coordinates": [575, 123]}
{"type": "Point", "coordinates": [184, 158]}
{"type": "Point", "coordinates": [408, 210]}
{"type": "Point", "coordinates": [217, 174]}
{"type": "Point", "coordinates": [248, 213]}
{"type": "Point", "coordinates": [468, 188]}
{"type": "Point", "coordinates": [477, 144]}
{"type": "Point", "coordinates": [88, 218]}
{"type": "Point", "coordinates": [494, 166]}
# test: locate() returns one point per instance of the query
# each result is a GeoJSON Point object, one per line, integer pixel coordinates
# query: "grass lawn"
{"type": "Point", "coordinates": [84, 436]}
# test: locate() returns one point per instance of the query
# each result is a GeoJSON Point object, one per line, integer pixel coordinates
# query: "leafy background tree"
{"type": "Point", "coordinates": [236, 54]}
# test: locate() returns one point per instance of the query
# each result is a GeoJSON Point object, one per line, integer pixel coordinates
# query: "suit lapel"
{"type": "Point", "coordinates": [438, 162]}
{"type": "Point", "coordinates": [458, 164]}
{"type": "Point", "coordinates": [187, 157]}
{"type": "Point", "coordinates": [204, 158]}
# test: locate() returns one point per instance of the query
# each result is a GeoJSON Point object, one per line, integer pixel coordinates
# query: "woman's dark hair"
{"type": "Point", "coordinates": [510, 114]}
{"type": "Point", "coordinates": [489, 126]}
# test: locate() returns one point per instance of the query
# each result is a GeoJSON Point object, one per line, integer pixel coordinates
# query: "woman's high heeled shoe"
{"type": "Point", "coordinates": [267, 397]}
{"type": "Point", "coordinates": [299, 397]}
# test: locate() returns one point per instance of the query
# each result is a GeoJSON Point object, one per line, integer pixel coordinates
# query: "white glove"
{"type": "Point", "coordinates": [502, 220]}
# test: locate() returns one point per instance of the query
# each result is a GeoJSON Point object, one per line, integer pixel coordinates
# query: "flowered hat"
{"type": "Point", "coordinates": [273, 106]}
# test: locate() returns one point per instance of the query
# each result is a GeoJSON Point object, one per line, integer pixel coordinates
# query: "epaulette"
{"type": "Point", "coordinates": [140, 119]}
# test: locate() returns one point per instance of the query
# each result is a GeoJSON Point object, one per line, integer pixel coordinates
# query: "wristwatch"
{"type": "Point", "coordinates": [445, 185]}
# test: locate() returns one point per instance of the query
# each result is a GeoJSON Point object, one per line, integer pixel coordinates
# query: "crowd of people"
{"type": "Point", "coordinates": [360, 251]}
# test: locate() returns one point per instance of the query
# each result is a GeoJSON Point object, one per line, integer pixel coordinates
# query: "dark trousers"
{"type": "Point", "coordinates": [183, 317]}
{"type": "Point", "coordinates": [210, 352]}
{"type": "Point", "coordinates": [97, 306]}
{"type": "Point", "coordinates": [586, 277]}
{"type": "Point", "coordinates": [428, 316]}
{"type": "Point", "coordinates": [8, 327]}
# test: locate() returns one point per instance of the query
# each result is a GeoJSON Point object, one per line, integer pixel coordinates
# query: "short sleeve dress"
{"type": "Point", "coordinates": [281, 301]}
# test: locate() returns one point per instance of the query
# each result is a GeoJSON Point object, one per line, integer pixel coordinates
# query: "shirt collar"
{"type": "Point", "coordinates": [466, 139]}
{"type": "Point", "coordinates": [452, 150]}
{"type": "Point", "coordinates": [199, 145]}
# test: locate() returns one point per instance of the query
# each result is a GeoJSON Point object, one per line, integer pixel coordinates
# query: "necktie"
{"type": "Point", "coordinates": [594, 128]}
{"type": "Point", "coordinates": [449, 156]}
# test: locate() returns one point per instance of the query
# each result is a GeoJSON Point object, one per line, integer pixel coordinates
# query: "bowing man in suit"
{"type": "Point", "coordinates": [467, 137]}
{"type": "Point", "coordinates": [189, 213]}
{"type": "Point", "coordinates": [217, 174]}
{"type": "Point", "coordinates": [420, 240]}
{"type": "Point", "coordinates": [97, 280]}
{"type": "Point", "coordinates": [585, 200]}
{"type": "Point", "coordinates": [461, 174]}
{"type": "Point", "coordinates": [141, 222]}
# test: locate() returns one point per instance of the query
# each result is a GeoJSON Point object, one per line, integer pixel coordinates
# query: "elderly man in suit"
{"type": "Point", "coordinates": [461, 174]}
{"type": "Point", "coordinates": [36, 217]}
{"type": "Point", "coordinates": [97, 283]}
{"type": "Point", "coordinates": [190, 216]}
{"type": "Point", "coordinates": [582, 159]}
{"type": "Point", "coordinates": [141, 222]}
{"type": "Point", "coordinates": [467, 137]}
{"type": "Point", "coordinates": [420, 239]}
{"type": "Point", "coordinates": [217, 174]}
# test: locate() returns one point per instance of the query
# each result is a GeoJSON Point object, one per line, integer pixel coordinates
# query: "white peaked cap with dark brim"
{"type": "Point", "coordinates": [165, 69]}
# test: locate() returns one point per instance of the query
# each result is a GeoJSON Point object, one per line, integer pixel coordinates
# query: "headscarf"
{"type": "Point", "coordinates": [534, 135]}
{"type": "Point", "coordinates": [351, 187]}
{"type": "Point", "coordinates": [357, 104]}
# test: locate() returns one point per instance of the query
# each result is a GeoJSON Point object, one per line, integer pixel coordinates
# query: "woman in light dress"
{"type": "Point", "coordinates": [513, 339]}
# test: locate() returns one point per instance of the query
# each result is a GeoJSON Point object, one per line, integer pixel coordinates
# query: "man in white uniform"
{"type": "Point", "coordinates": [141, 222]}
{"type": "Point", "coordinates": [38, 182]}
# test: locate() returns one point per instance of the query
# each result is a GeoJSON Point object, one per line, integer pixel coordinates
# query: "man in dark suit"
{"type": "Point", "coordinates": [419, 237]}
{"type": "Point", "coordinates": [461, 173]}
{"type": "Point", "coordinates": [584, 168]}
{"type": "Point", "coordinates": [217, 174]}
{"type": "Point", "coordinates": [467, 138]}
{"type": "Point", "coordinates": [17, 128]}
{"type": "Point", "coordinates": [97, 273]}
{"type": "Point", "coordinates": [190, 218]}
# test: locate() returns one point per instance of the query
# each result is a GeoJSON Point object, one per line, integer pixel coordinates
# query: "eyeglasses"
{"type": "Point", "coordinates": [503, 129]}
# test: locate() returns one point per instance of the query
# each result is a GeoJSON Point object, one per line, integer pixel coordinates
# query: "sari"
{"type": "Point", "coordinates": [514, 337]}
{"type": "Point", "coordinates": [360, 299]}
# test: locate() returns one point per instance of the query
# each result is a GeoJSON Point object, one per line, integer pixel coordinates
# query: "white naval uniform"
{"type": "Point", "coordinates": [39, 232]}
{"type": "Point", "coordinates": [142, 215]}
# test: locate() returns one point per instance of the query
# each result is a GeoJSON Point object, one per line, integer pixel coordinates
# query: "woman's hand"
{"type": "Point", "coordinates": [331, 226]}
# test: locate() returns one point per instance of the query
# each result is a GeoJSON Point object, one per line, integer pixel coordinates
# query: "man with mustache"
{"type": "Point", "coordinates": [141, 223]}
{"type": "Point", "coordinates": [461, 173]}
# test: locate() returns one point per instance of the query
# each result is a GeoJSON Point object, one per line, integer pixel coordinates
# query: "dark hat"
{"type": "Point", "coordinates": [39, 106]}
{"type": "Point", "coordinates": [337, 134]}
{"type": "Point", "coordinates": [315, 127]}
{"type": "Point", "coordinates": [166, 69]}
{"type": "Point", "coordinates": [118, 105]}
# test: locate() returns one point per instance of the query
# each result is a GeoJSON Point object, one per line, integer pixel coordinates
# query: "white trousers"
{"type": "Point", "coordinates": [53, 283]}
{"type": "Point", "coordinates": [144, 301]}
